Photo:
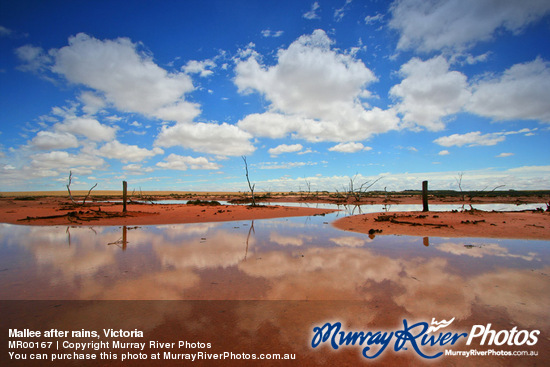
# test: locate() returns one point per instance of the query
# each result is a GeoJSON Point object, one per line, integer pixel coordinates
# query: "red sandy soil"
{"type": "Point", "coordinates": [468, 223]}
{"type": "Point", "coordinates": [60, 211]}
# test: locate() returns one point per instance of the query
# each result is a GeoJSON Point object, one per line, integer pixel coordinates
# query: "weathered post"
{"type": "Point", "coordinates": [124, 235]}
{"type": "Point", "coordinates": [124, 195]}
{"type": "Point", "coordinates": [425, 196]}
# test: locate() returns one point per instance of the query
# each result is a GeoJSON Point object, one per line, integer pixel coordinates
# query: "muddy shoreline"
{"type": "Point", "coordinates": [106, 210]}
{"type": "Point", "coordinates": [467, 223]}
{"type": "Point", "coordinates": [60, 211]}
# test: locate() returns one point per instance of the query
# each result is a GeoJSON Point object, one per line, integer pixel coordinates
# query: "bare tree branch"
{"type": "Point", "coordinates": [358, 193]}
{"type": "Point", "coordinates": [459, 182]}
{"type": "Point", "coordinates": [89, 191]}
{"type": "Point", "coordinates": [248, 180]}
{"type": "Point", "coordinates": [69, 190]}
{"type": "Point", "coordinates": [498, 187]}
{"type": "Point", "coordinates": [69, 186]}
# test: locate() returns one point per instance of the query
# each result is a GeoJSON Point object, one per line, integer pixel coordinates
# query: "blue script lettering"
{"type": "Point", "coordinates": [413, 335]}
{"type": "Point", "coordinates": [322, 336]}
{"type": "Point", "coordinates": [339, 338]}
{"type": "Point", "coordinates": [405, 335]}
{"type": "Point", "coordinates": [378, 338]}
{"type": "Point", "coordinates": [442, 339]}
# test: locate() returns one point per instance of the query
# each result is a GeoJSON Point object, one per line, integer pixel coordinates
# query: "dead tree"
{"type": "Point", "coordinates": [308, 188]}
{"type": "Point", "coordinates": [71, 195]}
{"type": "Point", "coordinates": [248, 180]}
{"type": "Point", "coordinates": [250, 230]}
{"type": "Point", "coordinates": [69, 186]}
{"type": "Point", "coordinates": [471, 195]}
{"type": "Point", "coordinates": [359, 192]}
{"type": "Point", "coordinates": [339, 196]}
{"type": "Point", "coordinates": [459, 182]}
{"type": "Point", "coordinates": [89, 191]}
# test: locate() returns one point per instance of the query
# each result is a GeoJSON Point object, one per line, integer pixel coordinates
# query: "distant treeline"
{"type": "Point", "coordinates": [480, 193]}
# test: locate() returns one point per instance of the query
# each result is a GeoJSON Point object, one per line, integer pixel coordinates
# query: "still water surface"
{"type": "Point", "coordinates": [300, 258]}
{"type": "Point", "coordinates": [381, 279]}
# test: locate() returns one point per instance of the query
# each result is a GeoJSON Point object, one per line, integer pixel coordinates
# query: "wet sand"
{"type": "Point", "coordinates": [59, 211]}
{"type": "Point", "coordinates": [468, 223]}
{"type": "Point", "coordinates": [55, 210]}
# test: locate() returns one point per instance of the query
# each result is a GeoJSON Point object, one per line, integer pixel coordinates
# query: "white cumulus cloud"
{"type": "Point", "coordinates": [284, 148]}
{"type": "Point", "coordinates": [87, 127]}
{"type": "Point", "coordinates": [203, 68]}
{"type": "Point", "coordinates": [220, 139]}
{"type": "Point", "coordinates": [521, 92]}
{"type": "Point", "coordinates": [129, 79]}
{"type": "Point", "coordinates": [181, 163]}
{"type": "Point", "coordinates": [123, 76]}
{"type": "Point", "coordinates": [314, 92]}
{"type": "Point", "coordinates": [504, 155]}
{"type": "Point", "coordinates": [460, 24]}
{"type": "Point", "coordinates": [127, 153]}
{"type": "Point", "coordinates": [351, 147]}
{"type": "Point", "coordinates": [471, 139]}
{"type": "Point", "coordinates": [270, 33]}
{"type": "Point", "coordinates": [92, 102]}
{"type": "Point", "coordinates": [47, 140]}
{"type": "Point", "coordinates": [137, 169]}
{"type": "Point", "coordinates": [62, 160]}
{"type": "Point", "coordinates": [429, 92]}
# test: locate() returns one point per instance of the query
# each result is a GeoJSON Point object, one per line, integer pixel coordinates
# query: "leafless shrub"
{"type": "Point", "coordinates": [359, 192]}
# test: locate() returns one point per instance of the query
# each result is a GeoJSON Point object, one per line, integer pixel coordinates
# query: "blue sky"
{"type": "Point", "coordinates": [169, 95]}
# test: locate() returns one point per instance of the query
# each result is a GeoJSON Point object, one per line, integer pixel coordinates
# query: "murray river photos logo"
{"type": "Point", "coordinates": [418, 337]}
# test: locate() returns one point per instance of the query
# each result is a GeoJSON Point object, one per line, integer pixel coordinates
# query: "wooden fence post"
{"type": "Point", "coordinates": [124, 195]}
{"type": "Point", "coordinates": [124, 235]}
{"type": "Point", "coordinates": [425, 196]}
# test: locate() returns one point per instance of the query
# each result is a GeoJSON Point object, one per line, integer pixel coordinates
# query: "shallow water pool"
{"type": "Point", "coordinates": [283, 274]}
